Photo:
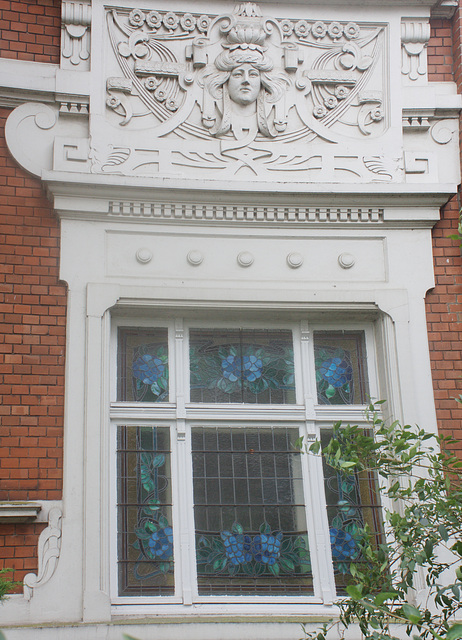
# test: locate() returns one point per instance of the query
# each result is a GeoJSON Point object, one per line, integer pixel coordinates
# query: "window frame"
{"type": "Point", "coordinates": [180, 416]}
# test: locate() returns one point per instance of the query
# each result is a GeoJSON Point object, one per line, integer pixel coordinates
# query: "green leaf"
{"type": "Point", "coordinates": [443, 532]}
{"type": "Point", "coordinates": [385, 595]}
{"type": "Point", "coordinates": [411, 613]}
{"type": "Point", "coordinates": [347, 465]}
{"type": "Point", "coordinates": [455, 632]}
{"type": "Point", "coordinates": [355, 591]}
{"type": "Point", "coordinates": [315, 447]}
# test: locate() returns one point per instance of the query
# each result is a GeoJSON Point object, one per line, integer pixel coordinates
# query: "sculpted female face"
{"type": "Point", "coordinates": [244, 84]}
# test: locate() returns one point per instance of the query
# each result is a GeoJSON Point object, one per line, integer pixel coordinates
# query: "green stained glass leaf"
{"type": "Point", "coordinates": [274, 568]}
{"type": "Point", "coordinates": [158, 460]}
{"type": "Point", "coordinates": [286, 564]}
{"type": "Point", "coordinates": [286, 545]}
{"type": "Point", "coordinates": [259, 385]}
{"type": "Point", "coordinates": [142, 533]}
{"type": "Point", "coordinates": [330, 391]}
{"type": "Point", "coordinates": [162, 383]}
{"type": "Point", "coordinates": [148, 484]}
{"type": "Point", "coordinates": [228, 386]}
{"type": "Point", "coordinates": [150, 526]}
{"type": "Point", "coordinates": [163, 522]}
{"type": "Point", "coordinates": [219, 564]}
{"type": "Point", "coordinates": [218, 544]}
{"type": "Point", "coordinates": [164, 567]}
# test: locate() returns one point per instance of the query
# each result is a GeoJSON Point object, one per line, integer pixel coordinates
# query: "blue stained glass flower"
{"type": "Point", "coordinates": [249, 366]}
{"type": "Point", "coordinates": [267, 548]}
{"type": "Point", "coordinates": [336, 371]}
{"type": "Point", "coordinates": [237, 547]}
{"type": "Point", "coordinates": [252, 368]}
{"type": "Point", "coordinates": [148, 368]}
{"type": "Point", "coordinates": [343, 545]}
{"type": "Point", "coordinates": [161, 543]}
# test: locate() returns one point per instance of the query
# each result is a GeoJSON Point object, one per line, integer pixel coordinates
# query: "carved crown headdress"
{"type": "Point", "coordinates": [245, 40]}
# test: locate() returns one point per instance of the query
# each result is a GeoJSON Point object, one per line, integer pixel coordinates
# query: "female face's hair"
{"type": "Point", "coordinates": [228, 60]}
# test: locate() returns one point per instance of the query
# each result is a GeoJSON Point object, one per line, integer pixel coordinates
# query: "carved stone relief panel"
{"type": "Point", "coordinates": [244, 96]}
{"type": "Point", "coordinates": [275, 95]}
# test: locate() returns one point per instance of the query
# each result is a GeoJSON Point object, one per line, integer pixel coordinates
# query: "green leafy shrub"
{"type": "Point", "coordinates": [421, 477]}
{"type": "Point", "coordinates": [6, 585]}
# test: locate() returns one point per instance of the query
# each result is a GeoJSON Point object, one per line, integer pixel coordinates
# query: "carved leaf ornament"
{"type": "Point", "coordinates": [254, 83]}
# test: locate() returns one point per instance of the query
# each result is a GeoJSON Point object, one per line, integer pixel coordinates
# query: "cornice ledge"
{"type": "Point", "coordinates": [444, 9]}
{"type": "Point", "coordinates": [67, 189]}
{"type": "Point", "coordinates": [439, 99]}
{"type": "Point", "coordinates": [19, 511]}
{"type": "Point", "coordinates": [22, 81]}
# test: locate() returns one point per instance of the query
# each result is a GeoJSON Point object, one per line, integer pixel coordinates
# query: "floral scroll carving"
{"type": "Point", "coordinates": [49, 546]}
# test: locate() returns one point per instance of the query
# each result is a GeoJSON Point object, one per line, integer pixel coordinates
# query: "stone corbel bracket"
{"type": "Point", "coordinates": [415, 35]}
{"type": "Point", "coordinates": [75, 44]}
{"type": "Point", "coordinates": [49, 546]}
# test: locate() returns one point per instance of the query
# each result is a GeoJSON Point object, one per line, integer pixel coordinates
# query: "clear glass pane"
{"type": "Point", "coordinates": [251, 366]}
{"type": "Point", "coordinates": [341, 372]}
{"type": "Point", "coordinates": [144, 511]}
{"type": "Point", "coordinates": [249, 510]}
{"type": "Point", "coordinates": [352, 502]}
{"type": "Point", "coordinates": [143, 365]}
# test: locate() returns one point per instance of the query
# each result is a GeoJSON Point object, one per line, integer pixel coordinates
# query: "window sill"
{"type": "Point", "coordinates": [19, 512]}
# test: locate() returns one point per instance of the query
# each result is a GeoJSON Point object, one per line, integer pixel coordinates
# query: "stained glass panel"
{"type": "Point", "coordinates": [144, 511]}
{"type": "Point", "coordinates": [143, 365]}
{"type": "Point", "coordinates": [251, 535]}
{"type": "Point", "coordinates": [352, 502]}
{"type": "Point", "coordinates": [341, 373]}
{"type": "Point", "coordinates": [251, 366]}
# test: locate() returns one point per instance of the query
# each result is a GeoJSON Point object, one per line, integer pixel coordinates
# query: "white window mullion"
{"type": "Point", "coordinates": [185, 567]}
{"type": "Point", "coordinates": [323, 573]}
{"type": "Point", "coordinates": [318, 526]}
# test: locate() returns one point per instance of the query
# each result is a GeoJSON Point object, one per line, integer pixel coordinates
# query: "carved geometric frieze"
{"type": "Point", "coordinates": [75, 44]}
{"type": "Point", "coordinates": [239, 213]}
{"type": "Point", "coordinates": [415, 35]}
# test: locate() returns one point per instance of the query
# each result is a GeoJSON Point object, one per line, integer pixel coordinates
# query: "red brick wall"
{"type": "Point", "coordinates": [30, 30]}
{"type": "Point", "coordinates": [444, 302]}
{"type": "Point", "coordinates": [32, 309]}
{"type": "Point", "coordinates": [32, 353]}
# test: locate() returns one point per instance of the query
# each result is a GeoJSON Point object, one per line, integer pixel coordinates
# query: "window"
{"type": "Point", "coordinates": [214, 501]}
